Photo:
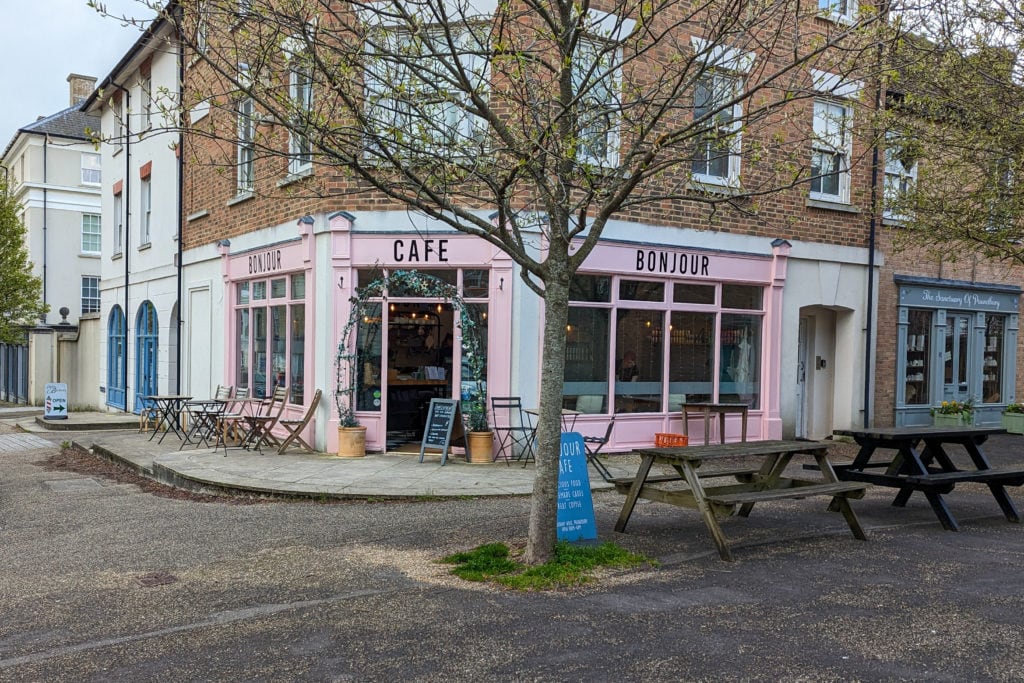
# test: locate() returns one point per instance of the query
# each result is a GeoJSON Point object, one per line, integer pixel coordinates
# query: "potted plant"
{"type": "Point", "coordinates": [953, 413]}
{"type": "Point", "coordinates": [1013, 418]}
{"type": "Point", "coordinates": [479, 437]}
{"type": "Point", "coordinates": [351, 435]}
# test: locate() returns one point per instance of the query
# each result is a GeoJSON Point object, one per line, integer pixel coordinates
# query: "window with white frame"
{"type": "Point", "coordinates": [300, 90]}
{"type": "Point", "coordinates": [1001, 205]}
{"type": "Point", "coordinates": [146, 100]}
{"type": "Point", "coordinates": [597, 81]}
{"type": "Point", "coordinates": [118, 224]}
{"type": "Point", "coordinates": [900, 176]}
{"type": "Point", "coordinates": [831, 152]}
{"type": "Point", "coordinates": [838, 10]}
{"type": "Point", "coordinates": [146, 201]}
{"type": "Point", "coordinates": [717, 155]}
{"type": "Point", "coordinates": [90, 294]}
{"type": "Point", "coordinates": [92, 166]}
{"type": "Point", "coordinates": [246, 145]}
{"type": "Point", "coordinates": [92, 233]}
{"type": "Point", "coordinates": [411, 93]}
{"type": "Point", "coordinates": [202, 28]}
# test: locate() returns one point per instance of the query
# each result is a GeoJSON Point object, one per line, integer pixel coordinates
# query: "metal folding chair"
{"type": "Point", "coordinates": [513, 428]}
{"type": "Point", "coordinates": [593, 444]}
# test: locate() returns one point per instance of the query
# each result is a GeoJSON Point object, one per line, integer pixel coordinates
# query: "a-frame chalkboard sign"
{"type": "Point", "coordinates": [444, 425]}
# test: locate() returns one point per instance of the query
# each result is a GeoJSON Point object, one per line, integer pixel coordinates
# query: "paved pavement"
{"type": "Point", "coordinates": [319, 475]}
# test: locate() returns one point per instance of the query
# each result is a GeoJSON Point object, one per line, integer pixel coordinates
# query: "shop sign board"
{"type": "Point", "coordinates": [575, 518]}
{"type": "Point", "coordinates": [444, 423]}
{"type": "Point", "coordinates": [56, 405]}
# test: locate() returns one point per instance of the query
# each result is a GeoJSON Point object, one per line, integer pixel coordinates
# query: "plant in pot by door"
{"type": "Point", "coordinates": [1013, 418]}
{"type": "Point", "coordinates": [351, 436]}
{"type": "Point", "coordinates": [479, 437]}
{"type": "Point", "coordinates": [953, 413]}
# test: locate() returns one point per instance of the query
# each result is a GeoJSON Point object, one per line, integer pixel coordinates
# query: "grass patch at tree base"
{"type": "Point", "coordinates": [570, 566]}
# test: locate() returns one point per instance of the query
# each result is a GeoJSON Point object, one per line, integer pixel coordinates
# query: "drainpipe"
{"type": "Point", "coordinates": [46, 145]}
{"type": "Point", "coordinates": [126, 204]}
{"type": "Point", "coordinates": [872, 230]}
{"type": "Point", "coordinates": [181, 203]}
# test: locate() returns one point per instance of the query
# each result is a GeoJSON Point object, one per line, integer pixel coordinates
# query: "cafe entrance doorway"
{"type": "Point", "coordinates": [419, 366]}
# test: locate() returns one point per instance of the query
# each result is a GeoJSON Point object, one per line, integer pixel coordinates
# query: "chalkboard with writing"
{"type": "Point", "coordinates": [444, 423]}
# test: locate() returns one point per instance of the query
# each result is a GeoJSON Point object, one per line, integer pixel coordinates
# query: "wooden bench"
{"type": "Point", "coordinates": [796, 492]}
{"type": "Point", "coordinates": [741, 473]}
{"type": "Point", "coordinates": [1006, 476]}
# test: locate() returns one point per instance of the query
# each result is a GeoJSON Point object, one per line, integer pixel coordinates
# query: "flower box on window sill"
{"type": "Point", "coordinates": [1013, 422]}
{"type": "Point", "coordinates": [951, 419]}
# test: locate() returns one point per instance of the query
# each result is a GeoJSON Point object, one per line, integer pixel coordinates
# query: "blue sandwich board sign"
{"type": "Point", "coordinates": [575, 519]}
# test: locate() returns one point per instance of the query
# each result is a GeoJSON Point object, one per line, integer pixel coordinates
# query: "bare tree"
{"type": "Point", "coordinates": [553, 115]}
{"type": "Point", "coordinates": [954, 109]}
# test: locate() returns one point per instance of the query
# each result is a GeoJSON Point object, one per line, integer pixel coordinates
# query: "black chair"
{"type": "Point", "coordinates": [593, 444]}
{"type": "Point", "coordinates": [514, 429]}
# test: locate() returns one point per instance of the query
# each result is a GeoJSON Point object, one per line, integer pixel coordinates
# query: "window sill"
{"type": "Point", "coordinates": [295, 177]}
{"type": "Point", "coordinates": [240, 197]}
{"type": "Point", "coordinates": [117, 257]}
{"type": "Point", "coordinates": [118, 149]}
{"type": "Point", "coordinates": [836, 18]}
{"type": "Point", "coordinates": [832, 206]}
{"type": "Point", "coordinates": [145, 245]}
{"type": "Point", "coordinates": [725, 188]}
{"type": "Point", "coordinates": [89, 254]}
{"type": "Point", "coordinates": [196, 216]}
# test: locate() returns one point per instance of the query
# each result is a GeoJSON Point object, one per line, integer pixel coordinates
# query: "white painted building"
{"type": "Point", "coordinates": [137, 102]}
{"type": "Point", "coordinates": [54, 172]}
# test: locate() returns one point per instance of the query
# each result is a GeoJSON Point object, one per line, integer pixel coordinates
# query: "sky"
{"type": "Point", "coordinates": [44, 41]}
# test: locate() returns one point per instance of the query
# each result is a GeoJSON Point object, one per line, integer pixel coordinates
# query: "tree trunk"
{"type": "Point", "coordinates": [544, 505]}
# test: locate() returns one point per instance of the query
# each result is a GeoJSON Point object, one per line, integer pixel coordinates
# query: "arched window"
{"type": "Point", "coordinates": [147, 345]}
{"type": "Point", "coordinates": [116, 343]}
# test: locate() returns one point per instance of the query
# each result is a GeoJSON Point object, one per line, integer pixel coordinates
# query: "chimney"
{"type": "Point", "coordinates": [81, 87]}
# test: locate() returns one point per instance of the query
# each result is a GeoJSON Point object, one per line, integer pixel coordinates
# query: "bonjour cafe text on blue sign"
{"type": "Point", "coordinates": [575, 519]}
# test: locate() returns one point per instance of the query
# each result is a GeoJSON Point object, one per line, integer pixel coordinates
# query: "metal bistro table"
{"type": "Point", "coordinates": [714, 495]}
{"type": "Point", "coordinates": [169, 409]}
{"type": "Point", "coordinates": [918, 461]}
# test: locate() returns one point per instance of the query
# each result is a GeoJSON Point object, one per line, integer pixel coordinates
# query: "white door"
{"type": "Point", "coordinates": [801, 381]}
{"type": "Point", "coordinates": [200, 343]}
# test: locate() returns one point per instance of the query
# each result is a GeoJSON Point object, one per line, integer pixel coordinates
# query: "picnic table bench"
{"type": "Point", "coordinates": [917, 460]}
{"type": "Point", "coordinates": [761, 483]}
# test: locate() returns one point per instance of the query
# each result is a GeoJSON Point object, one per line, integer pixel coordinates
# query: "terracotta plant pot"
{"type": "Point", "coordinates": [351, 442]}
{"type": "Point", "coordinates": [481, 448]}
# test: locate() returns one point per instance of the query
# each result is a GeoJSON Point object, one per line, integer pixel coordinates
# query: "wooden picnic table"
{"type": "Point", "coordinates": [917, 460]}
{"type": "Point", "coordinates": [758, 483]}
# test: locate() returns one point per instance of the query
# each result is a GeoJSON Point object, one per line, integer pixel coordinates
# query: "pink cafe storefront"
{"type": "Point", "coordinates": [649, 328]}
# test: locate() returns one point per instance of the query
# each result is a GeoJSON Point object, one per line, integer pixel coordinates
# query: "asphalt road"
{"type": "Point", "coordinates": [100, 581]}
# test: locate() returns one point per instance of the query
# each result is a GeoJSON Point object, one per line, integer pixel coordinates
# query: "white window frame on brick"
{"type": "Point", "coordinates": [831, 151]}
{"type": "Point", "coordinates": [900, 178]}
{"type": "Point", "coordinates": [92, 169]}
{"type": "Point", "coordinates": [722, 138]}
{"type": "Point", "coordinates": [246, 146]}
{"type": "Point", "coordinates": [92, 233]}
{"type": "Point", "coordinates": [840, 11]}
{"type": "Point", "coordinates": [399, 98]}
{"type": "Point", "coordinates": [146, 206]}
{"type": "Point", "coordinates": [300, 93]}
{"type": "Point", "coordinates": [91, 294]}
{"type": "Point", "coordinates": [597, 80]}
{"type": "Point", "coordinates": [118, 224]}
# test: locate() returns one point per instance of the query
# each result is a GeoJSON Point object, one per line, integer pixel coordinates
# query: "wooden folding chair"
{"type": "Point", "coordinates": [295, 427]}
{"type": "Point", "coordinates": [262, 425]}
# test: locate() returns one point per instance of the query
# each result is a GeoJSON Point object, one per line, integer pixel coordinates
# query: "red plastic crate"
{"type": "Point", "coordinates": [662, 440]}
